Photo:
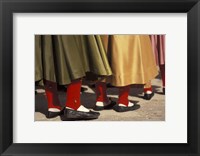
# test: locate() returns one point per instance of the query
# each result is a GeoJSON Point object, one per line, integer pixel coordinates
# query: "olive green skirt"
{"type": "Point", "coordinates": [63, 58]}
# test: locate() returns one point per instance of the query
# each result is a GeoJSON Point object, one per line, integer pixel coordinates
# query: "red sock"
{"type": "Point", "coordinates": [101, 92]}
{"type": "Point", "coordinates": [123, 95]}
{"type": "Point", "coordinates": [162, 70]}
{"type": "Point", "coordinates": [73, 94]}
{"type": "Point", "coordinates": [147, 89]}
{"type": "Point", "coordinates": [51, 94]}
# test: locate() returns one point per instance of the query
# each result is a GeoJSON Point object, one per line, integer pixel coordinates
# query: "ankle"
{"type": "Point", "coordinates": [54, 109]}
{"type": "Point", "coordinates": [130, 104]}
{"type": "Point", "coordinates": [80, 108]}
{"type": "Point", "coordinates": [125, 103]}
{"type": "Point", "coordinates": [105, 99]}
{"type": "Point", "coordinates": [148, 90]}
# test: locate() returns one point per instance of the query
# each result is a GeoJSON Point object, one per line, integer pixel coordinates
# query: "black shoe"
{"type": "Point", "coordinates": [54, 114]}
{"type": "Point", "coordinates": [148, 96]}
{"type": "Point", "coordinates": [163, 91]}
{"type": "Point", "coordinates": [118, 108]}
{"type": "Point", "coordinates": [109, 106]}
{"type": "Point", "coordinates": [109, 85]}
{"type": "Point", "coordinates": [92, 86]}
{"type": "Point", "coordinates": [95, 113]}
{"type": "Point", "coordinates": [71, 115]}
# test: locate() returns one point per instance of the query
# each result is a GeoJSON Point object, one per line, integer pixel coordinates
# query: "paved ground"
{"type": "Point", "coordinates": [152, 110]}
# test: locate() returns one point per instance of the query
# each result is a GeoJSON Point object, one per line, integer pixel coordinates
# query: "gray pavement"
{"type": "Point", "coordinates": [150, 110]}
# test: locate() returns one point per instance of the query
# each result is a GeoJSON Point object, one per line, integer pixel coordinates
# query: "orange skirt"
{"type": "Point", "coordinates": [131, 59]}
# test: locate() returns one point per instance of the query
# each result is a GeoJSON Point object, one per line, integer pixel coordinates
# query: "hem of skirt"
{"type": "Point", "coordinates": [131, 81]}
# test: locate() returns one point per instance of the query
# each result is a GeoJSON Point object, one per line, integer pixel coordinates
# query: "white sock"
{"type": "Point", "coordinates": [130, 104]}
{"type": "Point", "coordinates": [101, 104]}
{"type": "Point", "coordinates": [149, 92]}
{"type": "Point", "coordinates": [81, 109]}
{"type": "Point", "coordinates": [54, 110]}
{"type": "Point", "coordinates": [40, 91]}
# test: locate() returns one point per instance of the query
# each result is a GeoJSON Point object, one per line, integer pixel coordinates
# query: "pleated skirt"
{"type": "Point", "coordinates": [64, 58]}
{"type": "Point", "coordinates": [131, 59]}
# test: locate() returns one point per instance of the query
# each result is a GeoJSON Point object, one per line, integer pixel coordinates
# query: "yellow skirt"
{"type": "Point", "coordinates": [131, 59]}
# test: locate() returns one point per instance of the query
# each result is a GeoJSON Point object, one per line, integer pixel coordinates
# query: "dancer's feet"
{"type": "Point", "coordinates": [163, 90]}
{"type": "Point", "coordinates": [104, 105]}
{"type": "Point", "coordinates": [54, 112]}
{"type": "Point", "coordinates": [81, 113]}
{"type": "Point", "coordinates": [148, 93]}
{"type": "Point", "coordinates": [124, 108]}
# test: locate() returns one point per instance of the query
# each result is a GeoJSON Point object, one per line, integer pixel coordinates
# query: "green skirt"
{"type": "Point", "coordinates": [63, 58]}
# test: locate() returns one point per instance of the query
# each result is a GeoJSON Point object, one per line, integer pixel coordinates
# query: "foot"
{"type": "Point", "coordinates": [104, 105]}
{"type": "Point", "coordinates": [123, 108]}
{"type": "Point", "coordinates": [163, 90]}
{"type": "Point", "coordinates": [54, 112]}
{"type": "Point", "coordinates": [84, 109]}
{"type": "Point", "coordinates": [92, 86]}
{"type": "Point", "coordinates": [148, 95]}
{"type": "Point", "coordinates": [81, 113]}
{"type": "Point", "coordinates": [130, 104]}
{"type": "Point", "coordinates": [83, 89]}
{"type": "Point", "coordinates": [109, 85]}
{"type": "Point", "coordinates": [39, 91]}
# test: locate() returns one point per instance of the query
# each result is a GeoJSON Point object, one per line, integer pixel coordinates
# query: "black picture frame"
{"type": "Point", "coordinates": [8, 7]}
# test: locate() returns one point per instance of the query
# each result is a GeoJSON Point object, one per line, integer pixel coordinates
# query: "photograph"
{"type": "Point", "coordinates": [90, 77]}
{"type": "Point", "coordinates": [114, 77]}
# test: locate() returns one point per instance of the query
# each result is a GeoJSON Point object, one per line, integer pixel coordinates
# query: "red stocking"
{"type": "Point", "coordinates": [123, 95]}
{"type": "Point", "coordinates": [73, 94]}
{"type": "Point", "coordinates": [52, 95]}
{"type": "Point", "coordinates": [101, 95]}
{"type": "Point", "coordinates": [147, 89]}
